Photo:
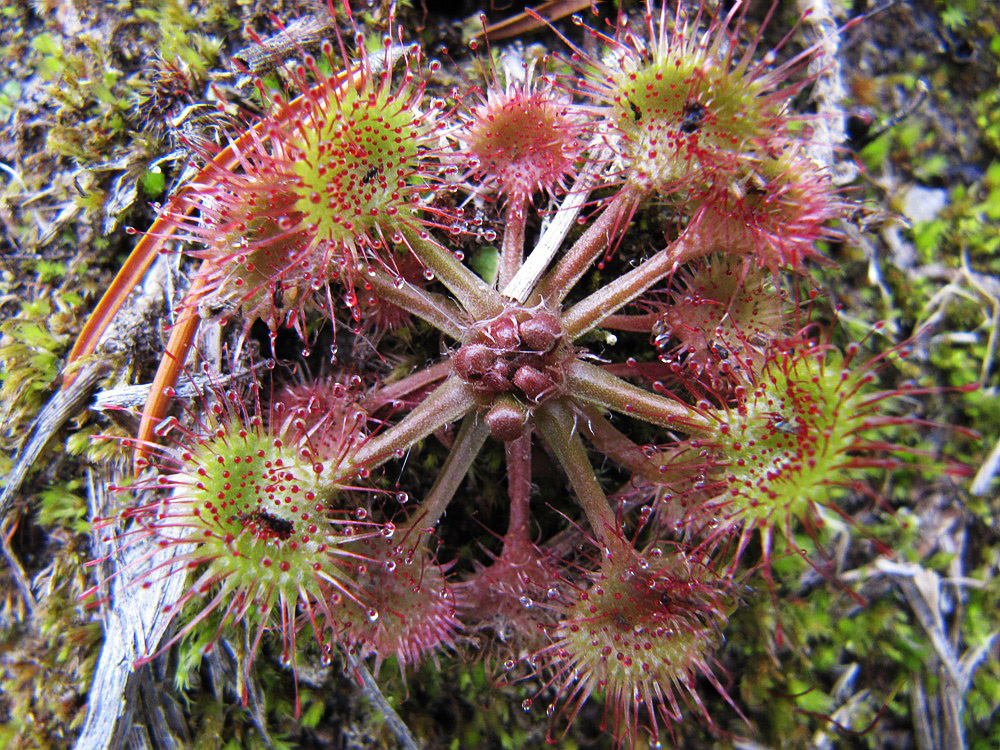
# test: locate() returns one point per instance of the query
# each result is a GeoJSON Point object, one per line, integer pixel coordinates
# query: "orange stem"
{"type": "Point", "coordinates": [181, 337]}
{"type": "Point", "coordinates": [152, 242]}
{"type": "Point", "coordinates": [135, 266]}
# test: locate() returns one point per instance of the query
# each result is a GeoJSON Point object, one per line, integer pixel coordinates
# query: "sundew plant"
{"type": "Point", "coordinates": [538, 368]}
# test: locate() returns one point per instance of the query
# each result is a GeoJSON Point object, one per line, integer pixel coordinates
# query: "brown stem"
{"type": "Point", "coordinates": [441, 313]}
{"type": "Point", "coordinates": [591, 384]}
{"type": "Point", "coordinates": [594, 241]}
{"type": "Point", "coordinates": [468, 443]}
{"type": "Point", "coordinates": [127, 278]}
{"type": "Point", "coordinates": [512, 250]}
{"type": "Point", "coordinates": [518, 454]}
{"type": "Point", "coordinates": [617, 446]}
{"type": "Point", "coordinates": [447, 403]}
{"type": "Point", "coordinates": [632, 323]}
{"type": "Point", "coordinates": [169, 369]}
{"type": "Point", "coordinates": [395, 391]}
{"type": "Point", "coordinates": [472, 292]}
{"type": "Point", "coordinates": [556, 423]}
{"type": "Point", "coordinates": [590, 312]}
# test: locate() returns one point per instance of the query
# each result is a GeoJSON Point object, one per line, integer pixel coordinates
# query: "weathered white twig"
{"type": "Point", "coordinates": [371, 691]}
{"type": "Point", "coordinates": [65, 405]}
{"type": "Point", "coordinates": [552, 238]}
{"type": "Point", "coordinates": [829, 92]}
{"type": "Point", "coordinates": [133, 624]}
{"type": "Point", "coordinates": [922, 589]}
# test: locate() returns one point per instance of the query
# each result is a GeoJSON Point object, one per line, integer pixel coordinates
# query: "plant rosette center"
{"type": "Point", "coordinates": [514, 362]}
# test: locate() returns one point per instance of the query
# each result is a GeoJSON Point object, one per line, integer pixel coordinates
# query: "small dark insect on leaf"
{"type": "Point", "coordinates": [620, 622]}
{"type": "Point", "coordinates": [692, 116]}
{"type": "Point", "coordinates": [370, 175]}
{"type": "Point", "coordinates": [636, 112]}
{"type": "Point", "coordinates": [718, 350]}
{"type": "Point", "coordinates": [280, 527]}
{"type": "Point", "coordinates": [785, 425]}
{"type": "Point", "coordinates": [756, 186]}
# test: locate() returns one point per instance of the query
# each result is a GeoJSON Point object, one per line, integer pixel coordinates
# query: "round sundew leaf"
{"type": "Point", "coordinates": [718, 320]}
{"type": "Point", "coordinates": [687, 103]}
{"type": "Point", "coordinates": [251, 516]}
{"type": "Point", "coordinates": [256, 512]}
{"type": "Point", "coordinates": [412, 611]}
{"type": "Point", "coordinates": [323, 415]}
{"type": "Point", "coordinates": [523, 140]}
{"type": "Point", "coordinates": [785, 448]}
{"type": "Point", "coordinates": [685, 117]}
{"type": "Point", "coordinates": [259, 265]}
{"type": "Point", "coordinates": [641, 633]}
{"type": "Point", "coordinates": [775, 209]}
{"type": "Point", "coordinates": [311, 196]}
{"type": "Point", "coordinates": [354, 156]}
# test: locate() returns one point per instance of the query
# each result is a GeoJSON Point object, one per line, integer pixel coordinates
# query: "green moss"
{"type": "Point", "coordinates": [45, 673]}
{"type": "Point", "coordinates": [63, 504]}
{"type": "Point", "coordinates": [32, 341]}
